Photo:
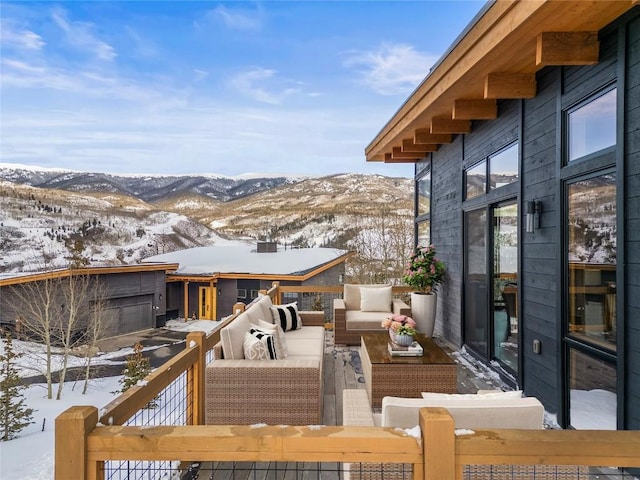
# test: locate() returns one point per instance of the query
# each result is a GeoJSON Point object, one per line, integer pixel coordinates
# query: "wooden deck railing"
{"type": "Point", "coordinates": [84, 441]}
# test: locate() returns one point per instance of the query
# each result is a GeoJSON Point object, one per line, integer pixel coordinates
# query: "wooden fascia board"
{"type": "Point", "coordinates": [475, 109]}
{"type": "Point", "coordinates": [192, 278]}
{"type": "Point", "coordinates": [468, 52]}
{"type": "Point", "coordinates": [36, 277]}
{"type": "Point", "coordinates": [567, 48]}
{"type": "Point", "coordinates": [283, 276]}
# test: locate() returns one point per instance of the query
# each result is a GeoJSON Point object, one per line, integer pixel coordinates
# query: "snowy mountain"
{"type": "Point", "coordinates": [122, 219]}
{"type": "Point", "coordinates": [144, 187]}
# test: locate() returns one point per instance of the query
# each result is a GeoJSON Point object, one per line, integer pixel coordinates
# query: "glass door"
{"type": "Point", "coordinates": [505, 285]}
{"type": "Point", "coordinates": [491, 283]}
{"type": "Point", "coordinates": [476, 281]}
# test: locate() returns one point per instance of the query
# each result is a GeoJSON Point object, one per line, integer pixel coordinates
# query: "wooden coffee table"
{"type": "Point", "coordinates": [387, 375]}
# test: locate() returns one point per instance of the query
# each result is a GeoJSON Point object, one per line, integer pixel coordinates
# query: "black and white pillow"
{"type": "Point", "coordinates": [287, 316]}
{"type": "Point", "coordinates": [259, 345]}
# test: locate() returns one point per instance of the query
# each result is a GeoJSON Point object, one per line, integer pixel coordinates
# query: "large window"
{"type": "Point", "coordinates": [591, 126]}
{"type": "Point", "coordinates": [591, 250]}
{"type": "Point", "coordinates": [591, 255]}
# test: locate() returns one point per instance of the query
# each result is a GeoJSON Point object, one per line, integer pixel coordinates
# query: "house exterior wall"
{"type": "Point", "coordinates": [536, 124]}
{"type": "Point", "coordinates": [133, 300]}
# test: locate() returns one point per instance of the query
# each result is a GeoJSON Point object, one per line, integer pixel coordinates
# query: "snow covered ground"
{"type": "Point", "coordinates": [31, 455]}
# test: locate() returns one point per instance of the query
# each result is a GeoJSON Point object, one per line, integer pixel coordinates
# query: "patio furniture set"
{"type": "Point", "coordinates": [275, 387]}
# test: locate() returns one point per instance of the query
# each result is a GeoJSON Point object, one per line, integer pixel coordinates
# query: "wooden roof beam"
{"type": "Point", "coordinates": [397, 153]}
{"type": "Point", "coordinates": [510, 85]}
{"type": "Point", "coordinates": [388, 158]}
{"type": "Point", "coordinates": [424, 135]}
{"type": "Point", "coordinates": [567, 48]}
{"type": "Point", "coordinates": [450, 126]}
{"type": "Point", "coordinates": [409, 146]}
{"type": "Point", "coordinates": [475, 109]}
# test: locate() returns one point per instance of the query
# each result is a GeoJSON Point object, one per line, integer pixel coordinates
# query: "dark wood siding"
{"type": "Point", "coordinates": [632, 226]}
{"type": "Point", "coordinates": [446, 215]}
{"type": "Point", "coordinates": [540, 249]}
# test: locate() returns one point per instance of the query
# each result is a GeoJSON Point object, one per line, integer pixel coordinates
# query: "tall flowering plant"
{"type": "Point", "coordinates": [425, 271]}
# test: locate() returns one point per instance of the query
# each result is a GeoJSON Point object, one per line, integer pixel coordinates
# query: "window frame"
{"type": "Point", "coordinates": [574, 107]}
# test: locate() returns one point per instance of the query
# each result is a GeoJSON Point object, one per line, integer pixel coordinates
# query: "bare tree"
{"type": "Point", "coordinates": [36, 306]}
{"type": "Point", "coordinates": [75, 291]}
{"type": "Point", "coordinates": [383, 243]}
{"type": "Point", "coordinates": [96, 326]}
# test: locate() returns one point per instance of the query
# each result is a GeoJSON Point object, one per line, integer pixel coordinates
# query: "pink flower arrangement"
{"type": "Point", "coordinates": [400, 324]}
{"type": "Point", "coordinates": [424, 272]}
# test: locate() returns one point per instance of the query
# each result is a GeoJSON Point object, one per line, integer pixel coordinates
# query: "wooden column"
{"type": "Point", "coordinates": [196, 379]}
{"type": "Point", "coordinates": [438, 443]}
{"type": "Point", "coordinates": [185, 299]}
{"type": "Point", "coordinates": [72, 428]}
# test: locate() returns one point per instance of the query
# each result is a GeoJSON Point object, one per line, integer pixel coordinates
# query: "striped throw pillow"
{"type": "Point", "coordinates": [287, 316]}
{"type": "Point", "coordinates": [259, 345]}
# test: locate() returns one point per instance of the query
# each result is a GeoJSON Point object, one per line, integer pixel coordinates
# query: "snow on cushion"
{"type": "Point", "coordinates": [460, 397]}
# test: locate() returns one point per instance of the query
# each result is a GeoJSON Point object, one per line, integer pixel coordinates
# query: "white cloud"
{"type": "Point", "coordinates": [80, 36]}
{"type": "Point", "coordinates": [237, 19]}
{"type": "Point", "coordinates": [262, 85]}
{"type": "Point", "coordinates": [22, 39]}
{"type": "Point", "coordinates": [391, 69]}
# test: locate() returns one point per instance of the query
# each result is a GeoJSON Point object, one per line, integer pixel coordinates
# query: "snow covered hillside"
{"type": "Point", "coordinates": [38, 225]}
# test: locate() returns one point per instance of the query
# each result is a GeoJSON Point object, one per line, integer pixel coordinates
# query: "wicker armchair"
{"type": "Point", "coordinates": [351, 320]}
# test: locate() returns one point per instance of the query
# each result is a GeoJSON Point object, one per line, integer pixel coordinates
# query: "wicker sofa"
{"type": "Point", "coordinates": [486, 410]}
{"type": "Point", "coordinates": [278, 392]}
{"type": "Point", "coordinates": [352, 318]}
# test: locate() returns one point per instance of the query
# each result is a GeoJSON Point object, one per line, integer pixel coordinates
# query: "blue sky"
{"type": "Point", "coordinates": [213, 87]}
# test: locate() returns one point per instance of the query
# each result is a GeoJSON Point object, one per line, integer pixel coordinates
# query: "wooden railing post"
{"type": "Point", "coordinates": [438, 444]}
{"type": "Point", "coordinates": [196, 379]}
{"type": "Point", "coordinates": [277, 294]}
{"type": "Point", "coordinates": [72, 428]}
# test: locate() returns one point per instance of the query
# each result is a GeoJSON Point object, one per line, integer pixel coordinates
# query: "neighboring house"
{"type": "Point", "coordinates": [134, 295]}
{"type": "Point", "coordinates": [210, 280]}
{"type": "Point", "coordinates": [526, 140]}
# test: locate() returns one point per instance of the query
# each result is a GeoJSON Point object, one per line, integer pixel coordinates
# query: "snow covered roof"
{"type": "Point", "coordinates": [246, 260]}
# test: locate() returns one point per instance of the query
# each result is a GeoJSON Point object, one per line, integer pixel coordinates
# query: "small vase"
{"type": "Point", "coordinates": [404, 340]}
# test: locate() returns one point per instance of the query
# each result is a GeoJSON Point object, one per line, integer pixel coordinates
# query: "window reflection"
{"type": "Point", "coordinates": [424, 233]}
{"type": "Point", "coordinates": [593, 400]}
{"type": "Point", "coordinates": [476, 180]}
{"type": "Point", "coordinates": [424, 194]}
{"type": "Point", "coordinates": [503, 167]}
{"type": "Point", "coordinates": [592, 127]}
{"type": "Point", "coordinates": [592, 260]}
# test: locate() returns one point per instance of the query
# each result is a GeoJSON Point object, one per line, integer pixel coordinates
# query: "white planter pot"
{"type": "Point", "coordinates": [423, 311]}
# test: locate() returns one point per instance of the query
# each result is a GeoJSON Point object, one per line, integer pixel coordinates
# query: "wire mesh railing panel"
{"type": "Point", "coordinates": [302, 471]}
{"type": "Point", "coordinates": [544, 472]}
{"type": "Point", "coordinates": [170, 407]}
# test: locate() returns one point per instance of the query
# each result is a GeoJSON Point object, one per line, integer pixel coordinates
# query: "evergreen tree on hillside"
{"type": "Point", "coordinates": [14, 414]}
